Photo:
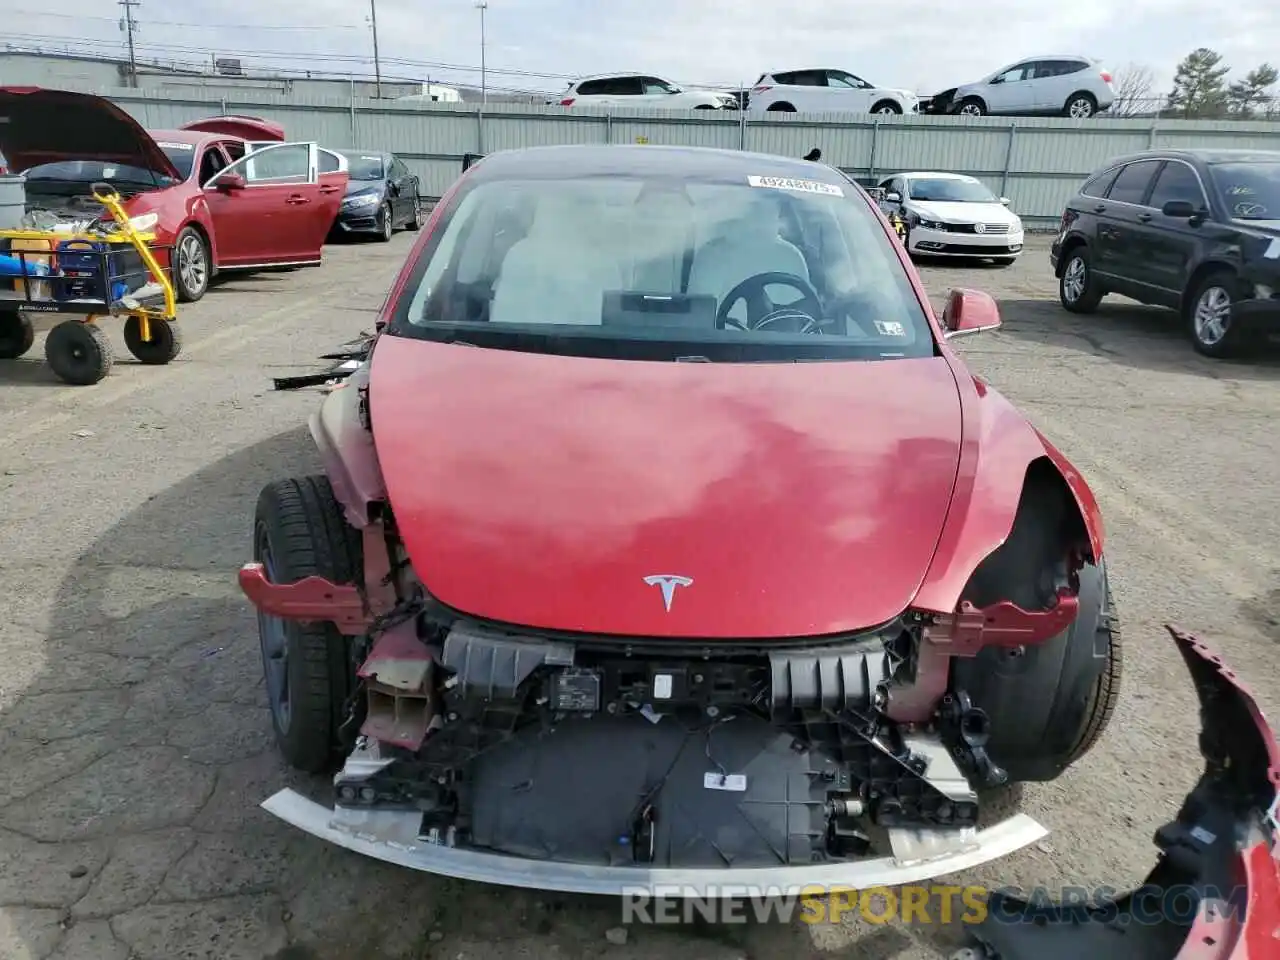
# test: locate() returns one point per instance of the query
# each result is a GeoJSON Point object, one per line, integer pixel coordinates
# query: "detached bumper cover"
{"type": "Point", "coordinates": [393, 837]}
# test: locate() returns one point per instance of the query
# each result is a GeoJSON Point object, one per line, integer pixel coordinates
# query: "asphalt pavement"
{"type": "Point", "coordinates": [134, 734]}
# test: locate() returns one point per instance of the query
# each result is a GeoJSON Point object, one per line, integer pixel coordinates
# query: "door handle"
{"type": "Point", "coordinates": [1099, 208]}
{"type": "Point", "coordinates": [328, 189]}
{"type": "Point", "coordinates": [297, 198]}
{"type": "Point", "coordinates": [1144, 217]}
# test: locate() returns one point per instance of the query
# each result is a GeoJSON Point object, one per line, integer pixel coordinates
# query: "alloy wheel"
{"type": "Point", "coordinates": [1212, 316]}
{"type": "Point", "coordinates": [192, 264]}
{"type": "Point", "coordinates": [1074, 278]}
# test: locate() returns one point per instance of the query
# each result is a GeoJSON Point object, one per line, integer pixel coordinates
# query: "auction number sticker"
{"type": "Point", "coordinates": [800, 186]}
{"type": "Point", "coordinates": [168, 145]}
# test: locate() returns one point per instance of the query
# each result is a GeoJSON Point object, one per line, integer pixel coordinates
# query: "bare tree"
{"type": "Point", "coordinates": [1133, 85]}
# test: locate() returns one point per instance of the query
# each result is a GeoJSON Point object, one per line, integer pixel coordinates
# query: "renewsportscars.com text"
{"type": "Point", "coordinates": [917, 903]}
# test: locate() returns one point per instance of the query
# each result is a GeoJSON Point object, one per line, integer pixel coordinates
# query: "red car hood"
{"type": "Point", "coordinates": [796, 498]}
{"type": "Point", "coordinates": [246, 128]}
{"type": "Point", "coordinates": [45, 126]}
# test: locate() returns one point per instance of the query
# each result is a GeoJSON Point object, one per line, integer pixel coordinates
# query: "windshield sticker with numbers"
{"type": "Point", "coordinates": [800, 186]}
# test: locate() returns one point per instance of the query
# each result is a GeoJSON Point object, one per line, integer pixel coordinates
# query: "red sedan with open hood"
{"type": "Point", "coordinates": [207, 202]}
{"type": "Point", "coordinates": [653, 439]}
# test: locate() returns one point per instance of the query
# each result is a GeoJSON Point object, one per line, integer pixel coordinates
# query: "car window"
{"type": "Point", "coordinates": [1044, 69]}
{"type": "Point", "coordinates": [93, 171]}
{"type": "Point", "coordinates": [656, 85]}
{"type": "Point", "coordinates": [1177, 181]}
{"type": "Point", "coordinates": [839, 78]}
{"type": "Point", "coordinates": [802, 78]}
{"type": "Point", "coordinates": [1131, 185]}
{"type": "Point", "coordinates": [951, 190]}
{"type": "Point", "coordinates": [1098, 184]}
{"type": "Point", "coordinates": [234, 149]}
{"type": "Point", "coordinates": [363, 166]}
{"type": "Point", "coordinates": [619, 266]}
{"type": "Point", "coordinates": [590, 88]}
{"type": "Point", "coordinates": [1022, 71]}
{"type": "Point", "coordinates": [287, 163]}
{"type": "Point", "coordinates": [621, 87]}
{"type": "Point", "coordinates": [211, 163]}
{"type": "Point", "coordinates": [329, 162]}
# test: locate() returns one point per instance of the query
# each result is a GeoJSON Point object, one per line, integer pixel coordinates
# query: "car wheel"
{"type": "Point", "coordinates": [79, 352]}
{"type": "Point", "coordinates": [1077, 289]}
{"type": "Point", "coordinates": [17, 335]}
{"type": "Point", "coordinates": [972, 107]}
{"type": "Point", "coordinates": [1208, 315]}
{"type": "Point", "coordinates": [164, 346]}
{"type": "Point", "coordinates": [1048, 705]}
{"type": "Point", "coordinates": [300, 531]}
{"type": "Point", "coordinates": [1080, 106]}
{"type": "Point", "coordinates": [780, 108]}
{"type": "Point", "coordinates": [191, 265]}
{"type": "Point", "coordinates": [886, 106]}
{"type": "Point", "coordinates": [386, 225]}
{"type": "Point", "coordinates": [415, 222]}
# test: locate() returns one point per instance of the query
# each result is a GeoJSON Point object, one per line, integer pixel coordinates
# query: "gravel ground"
{"type": "Point", "coordinates": [134, 733]}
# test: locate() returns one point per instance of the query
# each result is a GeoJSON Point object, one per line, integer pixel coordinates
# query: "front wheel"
{"type": "Point", "coordinates": [192, 266]}
{"type": "Point", "coordinates": [972, 107]}
{"type": "Point", "coordinates": [1208, 315]}
{"type": "Point", "coordinates": [886, 106]}
{"type": "Point", "coordinates": [17, 335]}
{"type": "Point", "coordinates": [300, 531]}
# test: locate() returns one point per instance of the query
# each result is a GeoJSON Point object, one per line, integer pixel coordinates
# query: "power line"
{"type": "Point", "coordinates": [251, 27]}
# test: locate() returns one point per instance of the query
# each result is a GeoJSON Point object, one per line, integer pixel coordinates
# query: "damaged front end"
{"type": "Point", "coordinates": [596, 764]}
{"type": "Point", "coordinates": [1214, 893]}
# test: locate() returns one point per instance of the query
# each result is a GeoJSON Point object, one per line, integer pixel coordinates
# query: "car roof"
{"type": "Point", "coordinates": [644, 160]}
{"type": "Point", "coordinates": [1201, 155]}
{"type": "Point", "coordinates": [620, 73]}
{"type": "Point", "coordinates": [1054, 56]}
{"type": "Point", "coordinates": [934, 175]}
{"type": "Point", "coordinates": [195, 138]}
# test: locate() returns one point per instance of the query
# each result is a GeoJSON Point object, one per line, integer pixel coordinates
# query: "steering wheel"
{"type": "Point", "coordinates": [805, 312]}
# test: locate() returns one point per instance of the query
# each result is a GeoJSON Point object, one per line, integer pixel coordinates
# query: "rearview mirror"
{"type": "Point", "coordinates": [893, 196]}
{"type": "Point", "coordinates": [1182, 209]}
{"type": "Point", "coordinates": [968, 312]}
{"type": "Point", "coordinates": [227, 182]}
{"type": "Point", "coordinates": [1004, 201]}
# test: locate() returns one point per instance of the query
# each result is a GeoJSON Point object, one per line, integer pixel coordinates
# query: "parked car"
{"type": "Point", "coordinates": [1197, 231]}
{"type": "Point", "coordinates": [1061, 85]}
{"type": "Point", "coordinates": [597, 352]}
{"type": "Point", "coordinates": [952, 215]}
{"type": "Point", "coordinates": [825, 91]}
{"type": "Point", "coordinates": [641, 90]}
{"type": "Point", "coordinates": [382, 195]}
{"type": "Point", "coordinates": [215, 205]}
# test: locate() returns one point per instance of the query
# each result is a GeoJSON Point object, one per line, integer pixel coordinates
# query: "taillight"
{"type": "Point", "coordinates": [567, 102]}
{"type": "Point", "coordinates": [1106, 76]}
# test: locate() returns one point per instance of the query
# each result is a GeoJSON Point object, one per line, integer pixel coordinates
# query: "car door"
{"type": "Point", "coordinates": [1120, 243]}
{"type": "Point", "coordinates": [1172, 242]}
{"type": "Point", "coordinates": [621, 91]}
{"type": "Point", "coordinates": [277, 216]}
{"type": "Point", "coordinates": [1011, 91]}
{"type": "Point", "coordinates": [334, 172]}
{"type": "Point", "coordinates": [847, 92]}
{"type": "Point", "coordinates": [403, 190]}
{"type": "Point", "coordinates": [806, 90]}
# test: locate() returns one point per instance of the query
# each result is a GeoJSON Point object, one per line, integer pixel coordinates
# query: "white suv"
{"type": "Point", "coordinates": [825, 91]}
{"type": "Point", "coordinates": [641, 90]}
{"type": "Point", "coordinates": [1056, 86]}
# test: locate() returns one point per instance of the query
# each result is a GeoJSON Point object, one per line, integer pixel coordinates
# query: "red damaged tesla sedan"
{"type": "Point", "coordinates": [211, 207]}
{"type": "Point", "coordinates": [665, 540]}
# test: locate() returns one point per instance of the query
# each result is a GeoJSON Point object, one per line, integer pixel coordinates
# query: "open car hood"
{"type": "Point", "coordinates": [1214, 893]}
{"type": "Point", "coordinates": [40, 126]}
{"type": "Point", "coordinates": [233, 125]}
{"type": "Point", "coordinates": [575, 494]}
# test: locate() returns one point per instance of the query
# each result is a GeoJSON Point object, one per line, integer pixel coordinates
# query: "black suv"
{"type": "Point", "coordinates": [1195, 230]}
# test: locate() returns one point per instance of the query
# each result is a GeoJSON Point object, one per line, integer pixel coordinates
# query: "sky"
{"type": "Point", "coordinates": [537, 44]}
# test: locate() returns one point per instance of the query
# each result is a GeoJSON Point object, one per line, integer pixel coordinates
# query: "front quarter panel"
{"type": "Point", "coordinates": [997, 448]}
{"type": "Point", "coordinates": [347, 451]}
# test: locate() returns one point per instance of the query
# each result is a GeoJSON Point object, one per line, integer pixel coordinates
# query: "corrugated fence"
{"type": "Point", "coordinates": [1035, 162]}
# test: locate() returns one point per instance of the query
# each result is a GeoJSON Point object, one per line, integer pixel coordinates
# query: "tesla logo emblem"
{"type": "Point", "coordinates": [668, 583]}
{"type": "Point", "coordinates": [979, 228]}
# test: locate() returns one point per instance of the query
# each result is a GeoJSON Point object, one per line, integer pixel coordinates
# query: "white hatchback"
{"type": "Point", "coordinates": [641, 90]}
{"type": "Point", "coordinates": [1058, 86]}
{"type": "Point", "coordinates": [952, 215]}
{"type": "Point", "coordinates": [826, 91]}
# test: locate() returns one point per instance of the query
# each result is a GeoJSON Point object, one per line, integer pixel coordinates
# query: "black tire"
{"type": "Point", "coordinates": [17, 335]}
{"type": "Point", "coordinates": [1080, 106]}
{"type": "Point", "coordinates": [1078, 290]}
{"type": "Point", "coordinates": [1048, 706]}
{"type": "Point", "coordinates": [780, 108]}
{"type": "Point", "coordinates": [972, 107]}
{"type": "Point", "coordinates": [386, 223]}
{"type": "Point", "coordinates": [705, 106]}
{"type": "Point", "coordinates": [886, 106]}
{"type": "Point", "coordinates": [415, 221]}
{"type": "Point", "coordinates": [79, 352]}
{"type": "Point", "coordinates": [1218, 284]}
{"type": "Point", "coordinates": [164, 346]}
{"type": "Point", "coordinates": [300, 531]}
{"type": "Point", "coordinates": [192, 266]}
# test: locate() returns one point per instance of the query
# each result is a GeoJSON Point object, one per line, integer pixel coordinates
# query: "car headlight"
{"type": "Point", "coordinates": [361, 200]}
{"type": "Point", "coordinates": [931, 224]}
{"type": "Point", "coordinates": [1263, 292]}
{"type": "Point", "coordinates": [144, 221]}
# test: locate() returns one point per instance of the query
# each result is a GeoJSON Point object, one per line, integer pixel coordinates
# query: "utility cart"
{"type": "Point", "coordinates": [107, 268]}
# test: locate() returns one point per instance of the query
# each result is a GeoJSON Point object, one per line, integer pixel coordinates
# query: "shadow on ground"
{"type": "Point", "coordinates": [136, 761]}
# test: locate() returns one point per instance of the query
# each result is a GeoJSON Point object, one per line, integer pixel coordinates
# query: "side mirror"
{"type": "Point", "coordinates": [394, 187]}
{"type": "Point", "coordinates": [1004, 201]}
{"type": "Point", "coordinates": [1181, 209]}
{"type": "Point", "coordinates": [996, 80]}
{"type": "Point", "coordinates": [893, 196]}
{"type": "Point", "coordinates": [228, 182]}
{"type": "Point", "coordinates": [968, 312]}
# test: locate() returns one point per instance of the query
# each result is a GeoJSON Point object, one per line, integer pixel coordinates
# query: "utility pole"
{"type": "Point", "coordinates": [377, 63]}
{"type": "Point", "coordinates": [128, 25]}
{"type": "Point", "coordinates": [482, 6]}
